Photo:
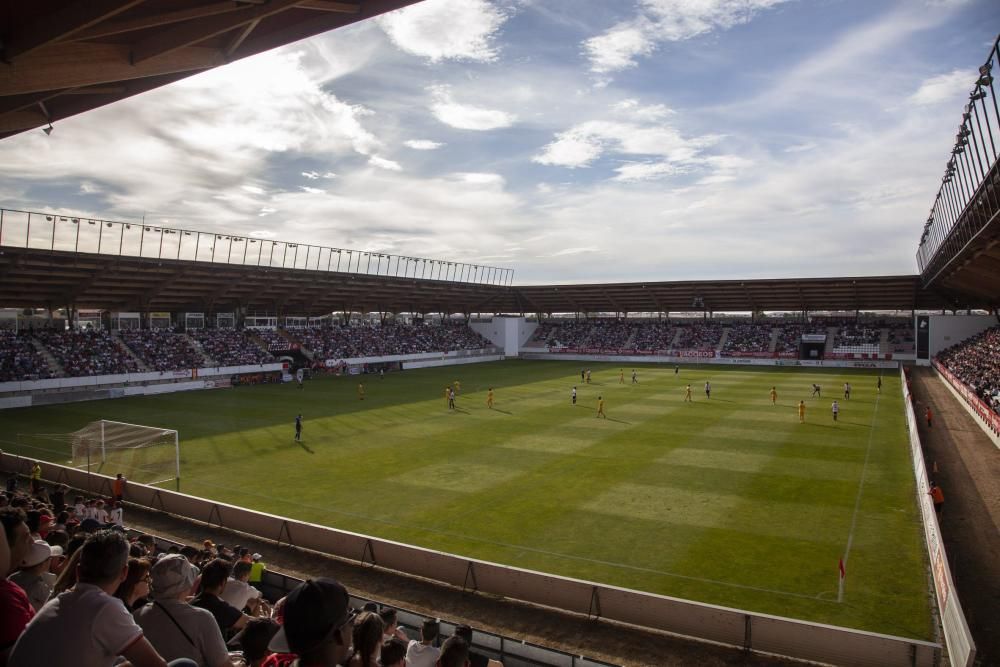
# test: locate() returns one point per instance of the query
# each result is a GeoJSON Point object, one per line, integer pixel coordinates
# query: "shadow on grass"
{"type": "Point", "coordinates": [502, 411]}
{"type": "Point", "coordinates": [619, 421]}
{"type": "Point", "coordinates": [304, 446]}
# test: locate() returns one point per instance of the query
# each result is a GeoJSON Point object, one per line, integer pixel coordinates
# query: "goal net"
{"type": "Point", "coordinates": [144, 454]}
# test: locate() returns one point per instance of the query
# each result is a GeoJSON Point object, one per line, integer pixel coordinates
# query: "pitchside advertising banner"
{"type": "Point", "coordinates": [723, 361]}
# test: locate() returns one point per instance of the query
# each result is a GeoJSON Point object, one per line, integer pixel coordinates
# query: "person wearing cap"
{"type": "Point", "coordinates": [175, 628]}
{"type": "Point", "coordinates": [85, 626]}
{"type": "Point", "coordinates": [29, 577]}
{"type": "Point", "coordinates": [318, 623]}
{"type": "Point", "coordinates": [257, 567]}
{"type": "Point", "coordinates": [423, 653]}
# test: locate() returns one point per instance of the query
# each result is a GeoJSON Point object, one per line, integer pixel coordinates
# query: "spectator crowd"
{"type": "Point", "coordinates": [162, 349]}
{"type": "Point", "coordinates": [346, 342]}
{"type": "Point", "coordinates": [87, 352]}
{"type": "Point", "coordinates": [78, 590]}
{"type": "Point", "coordinates": [230, 347]}
{"type": "Point", "coordinates": [976, 363]}
{"type": "Point", "coordinates": [19, 358]}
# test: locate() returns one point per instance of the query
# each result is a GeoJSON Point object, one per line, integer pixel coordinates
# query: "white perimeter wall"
{"type": "Point", "coordinates": [507, 333]}
{"type": "Point", "coordinates": [947, 330]}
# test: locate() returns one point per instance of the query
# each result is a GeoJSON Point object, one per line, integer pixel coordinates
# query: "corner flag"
{"type": "Point", "coordinates": [840, 587]}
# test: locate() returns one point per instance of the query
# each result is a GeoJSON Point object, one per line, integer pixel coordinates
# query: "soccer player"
{"type": "Point", "coordinates": [816, 390]}
{"type": "Point", "coordinates": [458, 387]}
{"type": "Point", "coordinates": [621, 376]}
{"type": "Point", "coordinates": [847, 390]}
{"type": "Point", "coordinates": [298, 429]}
{"type": "Point", "coordinates": [677, 369]}
{"type": "Point", "coordinates": [835, 408]}
{"type": "Point", "coordinates": [361, 391]}
{"type": "Point", "coordinates": [879, 385]}
{"type": "Point", "coordinates": [300, 376]}
{"type": "Point", "coordinates": [588, 376]}
{"type": "Point", "coordinates": [574, 395]}
{"type": "Point", "coordinates": [802, 412]}
{"type": "Point", "coordinates": [635, 378]}
{"type": "Point", "coordinates": [489, 398]}
{"type": "Point", "coordinates": [774, 396]}
{"type": "Point", "coordinates": [708, 389]}
{"type": "Point", "coordinates": [447, 393]}
{"type": "Point", "coordinates": [687, 395]}
{"type": "Point", "coordinates": [600, 407]}
{"type": "Point", "coordinates": [451, 399]}
{"type": "Point", "coordinates": [583, 375]}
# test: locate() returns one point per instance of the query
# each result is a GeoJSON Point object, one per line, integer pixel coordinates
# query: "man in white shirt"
{"type": "Point", "coordinates": [238, 592]}
{"type": "Point", "coordinates": [117, 515]}
{"type": "Point", "coordinates": [93, 628]}
{"type": "Point", "coordinates": [423, 653]}
{"type": "Point", "coordinates": [31, 575]}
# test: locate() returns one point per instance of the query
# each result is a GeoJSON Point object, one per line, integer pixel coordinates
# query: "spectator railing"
{"type": "Point", "coordinates": [52, 231]}
{"type": "Point", "coordinates": [734, 627]}
{"type": "Point", "coordinates": [967, 200]}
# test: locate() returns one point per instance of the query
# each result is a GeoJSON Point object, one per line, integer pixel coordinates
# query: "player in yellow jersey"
{"type": "Point", "coordinates": [458, 387]}
{"type": "Point", "coordinates": [600, 407]}
{"type": "Point", "coordinates": [447, 393]}
{"type": "Point", "coordinates": [802, 412]}
{"type": "Point", "coordinates": [361, 391]}
{"type": "Point", "coordinates": [489, 398]}
{"type": "Point", "coordinates": [687, 395]}
{"type": "Point", "coordinates": [621, 376]}
{"type": "Point", "coordinates": [774, 396]}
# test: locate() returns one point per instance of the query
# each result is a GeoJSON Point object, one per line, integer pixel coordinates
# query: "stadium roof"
{"type": "Point", "coordinates": [33, 278]}
{"type": "Point", "coordinates": [64, 58]}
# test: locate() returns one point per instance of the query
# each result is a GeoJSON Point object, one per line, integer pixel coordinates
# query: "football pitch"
{"type": "Point", "coordinates": [727, 500]}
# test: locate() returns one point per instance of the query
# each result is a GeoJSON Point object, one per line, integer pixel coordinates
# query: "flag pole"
{"type": "Point", "coordinates": [840, 584]}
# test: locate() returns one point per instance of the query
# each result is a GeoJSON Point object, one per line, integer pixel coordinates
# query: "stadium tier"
{"type": "Point", "coordinates": [976, 363]}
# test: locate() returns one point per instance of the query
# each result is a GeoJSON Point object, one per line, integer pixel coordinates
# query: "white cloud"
{"type": "Point", "coordinates": [252, 189]}
{"type": "Point", "coordinates": [660, 21]}
{"type": "Point", "coordinates": [949, 88]}
{"type": "Point", "coordinates": [311, 175]}
{"type": "Point", "coordinates": [465, 116]}
{"type": "Point", "coordinates": [641, 132]}
{"type": "Point", "coordinates": [329, 174]}
{"type": "Point", "coordinates": [645, 171]}
{"type": "Point", "coordinates": [479, 178]}
{"type": "Point", "coordinates": [383, 163]}
{"type": "Point", "coordinates": [422, 144]}
{"type": "Point", "coordinates": [446, 29]}
{"type": "Point", "coordinates": [801, 148]}
{"type": "Point", "coordinates": [312, 191]}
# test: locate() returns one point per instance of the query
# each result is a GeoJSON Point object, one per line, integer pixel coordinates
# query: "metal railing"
{"type": "Point", "coordinates": [51, 231]}
{"type": "Point", "coordinates": [967, 199]}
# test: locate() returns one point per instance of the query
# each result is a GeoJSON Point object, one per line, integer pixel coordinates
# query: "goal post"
{"type": "Point", "coordinates": [144, 454]}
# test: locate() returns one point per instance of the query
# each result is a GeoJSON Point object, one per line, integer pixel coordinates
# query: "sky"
{"type": "Point", "coordinates": [573, 141]}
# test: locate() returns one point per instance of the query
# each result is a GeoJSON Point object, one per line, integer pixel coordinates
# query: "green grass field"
{"type": "Point", "coordinates": [729, 501]}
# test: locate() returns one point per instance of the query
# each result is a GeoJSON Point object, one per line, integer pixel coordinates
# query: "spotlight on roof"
{"type": "Point", "coordinates": [48, 130]}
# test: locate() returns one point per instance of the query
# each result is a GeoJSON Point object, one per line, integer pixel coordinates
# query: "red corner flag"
{"type": "Point", "coordinates": [840, 565]}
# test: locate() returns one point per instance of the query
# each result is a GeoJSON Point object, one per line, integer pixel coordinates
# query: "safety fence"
{"type": "Point", "coordinates": [734, 627]}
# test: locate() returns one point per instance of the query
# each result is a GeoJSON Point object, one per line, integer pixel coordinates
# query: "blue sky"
{"type": "Point", "coordinates": [570, 140]}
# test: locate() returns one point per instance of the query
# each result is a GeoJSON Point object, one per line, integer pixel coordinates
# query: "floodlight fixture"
{"type": "Point", "coordinates": [48, 130]}
{"type": "Point", "coordinates": [978, 94]}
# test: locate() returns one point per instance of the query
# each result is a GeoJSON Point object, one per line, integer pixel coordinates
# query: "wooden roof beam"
{"type": "Point", "coordinates": [63, 23]}
{"type": "Point", "coordinates": [109, 28]}
{"type": "Point", "coordinates": [193, 32]}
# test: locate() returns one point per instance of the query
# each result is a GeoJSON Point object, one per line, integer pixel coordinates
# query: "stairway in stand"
{"type": "Point", "coordinates": [55, 368]}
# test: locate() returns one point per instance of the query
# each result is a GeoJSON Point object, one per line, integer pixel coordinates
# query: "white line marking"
{"type": "Point", "coordinates": [861, 488]}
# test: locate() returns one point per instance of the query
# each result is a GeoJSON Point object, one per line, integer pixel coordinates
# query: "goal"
{"type": "Point", "coordinates": [144, 454]}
